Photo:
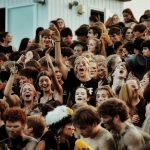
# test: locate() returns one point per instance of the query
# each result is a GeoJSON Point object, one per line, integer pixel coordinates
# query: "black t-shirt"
{"type": "Point", "coordinates": [3, 133]}
{"type": "Point", "coordinates": [73, 82]}
{"type": "Point", "coordinates": [51, 143]}
{"type": "Point", "coordinates": [6, 50]}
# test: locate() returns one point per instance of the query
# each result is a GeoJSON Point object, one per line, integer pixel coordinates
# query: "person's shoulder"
{"type": "Point", "coordinates": [132, 132]}
{"type": "Point", "coordinates": [105, 134]}
{"type": "Point", "coordinates": [30, 139]}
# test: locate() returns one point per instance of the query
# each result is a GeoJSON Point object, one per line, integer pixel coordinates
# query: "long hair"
{"type": "Point", "coordinates": [129, 11]}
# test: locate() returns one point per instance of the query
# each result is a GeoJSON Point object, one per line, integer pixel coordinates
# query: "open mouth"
{"type": "Point", "coordinates": [27, 95]}
{"type": "Point", "coordinates": [81, 69]}
{"type": "Point", "coordinates": [121, 71]}
{"type": "Point", "coordinates": [79, 99]}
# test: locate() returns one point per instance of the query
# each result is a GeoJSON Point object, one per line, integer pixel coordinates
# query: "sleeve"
{"type": "Point", "coordinates": [134, 140]}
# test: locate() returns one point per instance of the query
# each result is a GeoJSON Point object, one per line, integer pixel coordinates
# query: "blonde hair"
{"type": "Point", "coordinates": [32, 87]}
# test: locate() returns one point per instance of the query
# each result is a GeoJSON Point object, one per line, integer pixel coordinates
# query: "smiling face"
{"type": "Point", "coordinates": [45, 83]}
{"type": "Point", "coordinates": [93, 69]}
{"type": "Point", "coordinates": [28, 92]}
{"type": "Point", "coordinates": [47, 41]}
{"type": "Point", "coordinates": [129, 35]}
{"type": "Point", "coordinates": [81, 95]}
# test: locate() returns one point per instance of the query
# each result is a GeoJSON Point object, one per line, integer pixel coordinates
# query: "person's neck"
{"type": "Point", "coordinates": [5, 43]}
{"type": "Point", "coordinates": [47, 93]}
{"type": "Point", "coordinates": [95, 132]}
{"type": "Point", "coordinates": [120, 127]}
{"type": "Point", "coordinates": [84, 78]}
{"type": "Point", "coordinates": [29, 104]}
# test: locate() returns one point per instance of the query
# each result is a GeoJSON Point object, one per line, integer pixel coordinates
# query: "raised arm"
{"type": "Point", "coordinates": [58, 56]}
{"type": "Point", "coordinates": [12, 100]}
{"type": "Point", "coordinates": [58, 91]}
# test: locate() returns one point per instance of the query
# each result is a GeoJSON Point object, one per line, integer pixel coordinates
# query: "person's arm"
{"type": "Point", "coordinates": [58, 91]}
{"type": "Point", "coordinates": [40, 146]}
{"type": "Point", "coordinates": [12, 100]}
{"type": "Point", "coordinates": [58, 56]}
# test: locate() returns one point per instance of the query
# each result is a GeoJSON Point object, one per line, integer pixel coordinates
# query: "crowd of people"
{"type": "Point", "coordinates": [92, 93]}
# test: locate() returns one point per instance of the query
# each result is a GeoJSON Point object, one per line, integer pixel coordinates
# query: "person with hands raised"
{"type": "Point", "coordinates": [11, 98]}
{"type": "Point", "coordinates": [76, 77]}
{"type": "Point", "coordinates": [48, 83]}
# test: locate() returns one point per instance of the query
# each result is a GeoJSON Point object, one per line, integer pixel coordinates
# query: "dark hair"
{"type": "Point", "coordinates": [43, 107]}
{"type": "Point", "coordinates": [144, 17]}
{"type": "Point", "coordinates": [66, 32]}
{"type": "Point", "coordinates": [146, 93]}
{"type": "Point", "coordinates": [65, 51]}
{"type": "Point", "coordinates": [4, 75]}
{"type": "Point", "coordinates": [96, 30]}
{"type": "Point", "coordinates": [146, 43]}
{"type": "Point", "coordinates": [15, 114]}
{"type": "Point", "coordinates": [57, 127]}
{"type": "Point", "coordinates": [37, 123]}
{"type": "Point", "coordinates": [23, 44]}
{"type": "Point", "coordinates": [115, 30]}
{"type": "Point", "coordinates": [84, 116]}
{"type": "Point", "coordinates": [93, 18]}
{"type": "Point", "coordinates": [139, 27]}
{"type": "Point", "coordinates": [33, 64]}
{"type": "Point", "coordinates": [29, 73]}
{"type": "Point", "coordinates": [3, 35]}
{"type": "Point", "coordinates": [3, 57]}
{"type": "Point", "coordinates": [113, 107]}
{"type": "Point", "coordinates": [117, 45]}
{"type": "Point", "coordinates": [129, 47]}
{"type": "Point", "coordinates": [37, 37]}
{"type": "Point", "coordinates": [129, 11]}
{"type": "Point", "coordinates": [137, 44]}
{"type": "Point", "coordinates": [82, 31]}
{"type": "Point", "coordinates": [125, 30]}
{"type": "Point", "coordinates": [14, 56]}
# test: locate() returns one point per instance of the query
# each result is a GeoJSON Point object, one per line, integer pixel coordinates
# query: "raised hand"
{"type": "Point", "coordinates": [13, 68]}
